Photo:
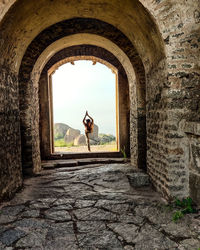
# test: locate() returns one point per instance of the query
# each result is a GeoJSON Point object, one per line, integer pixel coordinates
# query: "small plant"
{"type": "Point", "coordinates": [177, 215]}
{"type": "Point", "coordinates": [186, 206]}
{"type": "Point", "coordinates": [123, 152]}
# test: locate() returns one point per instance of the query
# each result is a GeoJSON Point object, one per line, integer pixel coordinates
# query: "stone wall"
{"type": "Point", "coordinates": [192, 130]}
{"type": "Point", "coordinates": [174, 100]}
{"type": "Point", "coordinates": [10, 141]}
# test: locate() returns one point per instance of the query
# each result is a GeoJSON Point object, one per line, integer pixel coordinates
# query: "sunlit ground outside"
{"type": "Point", "coordinates": [79, 88]}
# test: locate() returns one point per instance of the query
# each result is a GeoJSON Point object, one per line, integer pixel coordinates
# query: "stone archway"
{"type": "Point", "coordinates": [167, 76]}
{"type": "Point", "coordinates": [85, 51]}
{"type": "Point", "coordinates": [30, 142]}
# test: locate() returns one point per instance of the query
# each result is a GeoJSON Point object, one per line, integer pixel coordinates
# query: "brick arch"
{"type": "Point", "coordinates": [74, 26]}
{"type": "Point", "coordinates": [81, 58]}
{"type": "Point", "coordinates": [28, 92]}
{"type": "Point", "coordinates": [76, 53]}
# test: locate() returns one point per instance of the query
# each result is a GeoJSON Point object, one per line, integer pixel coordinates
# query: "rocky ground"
{"type": "Point", "coordinates": [93, 207]}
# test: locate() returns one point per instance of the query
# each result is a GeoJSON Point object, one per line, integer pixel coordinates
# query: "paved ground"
{"type": "Point", "coordinates": [92, 208]}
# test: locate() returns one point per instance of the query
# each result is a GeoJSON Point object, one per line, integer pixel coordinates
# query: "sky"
{"type": "Point", "coordinates": [81, 87]}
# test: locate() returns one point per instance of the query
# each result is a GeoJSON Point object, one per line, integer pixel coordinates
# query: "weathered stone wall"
{"type": "Point", "coordinates": [192, 130]}
{"type": "Point", "coordinates": [10, 141]}
{"type": "Point", "coordinates": [29, 124]}
{"type": "Point", "coordinates": [45, 120]}
{"type": "Point", "coordinates": [174, 99]}
{"type": "Point", "coordinates": [158, 158]}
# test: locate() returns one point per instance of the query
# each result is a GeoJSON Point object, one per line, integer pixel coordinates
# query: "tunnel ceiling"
{"type": "Point", "coordinates": [79, 26]}
{"type": "Point", "coordinates": [26, 19]}
{"type": "Point", "coordinates": [71, 27]}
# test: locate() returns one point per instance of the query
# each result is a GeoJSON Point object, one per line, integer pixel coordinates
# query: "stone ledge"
{"type": "Point", "coordinates": [192, 128]}
{"type": "Point", "coordinates": [138, 179]}
{"type": "Point", "coordinates": [81, 162]}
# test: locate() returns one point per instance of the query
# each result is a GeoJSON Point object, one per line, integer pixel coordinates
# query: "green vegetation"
{"type": "Point", "coordinates": [123, 151]}
{"type": "Point", "coordinates": [177, 215]}
{"type": "Point", "coordinates": [62, 143]}
{"type": "Point", "coordinates": [185, 206]}
{"type": "Point", "coordinates": [58, 136]}
{"type": "Point", "coordinates": [105, 139]}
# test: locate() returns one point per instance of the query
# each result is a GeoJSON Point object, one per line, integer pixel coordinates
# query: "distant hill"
{"type": "Point", "coordinates": [60, 130]}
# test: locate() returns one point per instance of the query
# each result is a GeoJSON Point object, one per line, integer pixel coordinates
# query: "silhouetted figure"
{"type": "Point", "coordinates": [89, 125]}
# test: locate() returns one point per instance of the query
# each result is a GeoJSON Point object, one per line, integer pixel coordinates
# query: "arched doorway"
{"type": "Point", "coordinates": [135, 76]}
{"type": "Point", "coordinates": [122, 97]}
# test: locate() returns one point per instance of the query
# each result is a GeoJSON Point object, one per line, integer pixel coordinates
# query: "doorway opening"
{"type": "Point", "coordinates": [79, 86]}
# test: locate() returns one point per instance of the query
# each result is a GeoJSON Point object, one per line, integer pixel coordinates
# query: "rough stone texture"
{"type": "Point", "coordinates": [73, 132]}
{"type": "Point", "coordinates": [60, 129]}
{"type": "Point", "coordinates": [93, 208]}
{"type": "Point", "coordinates": [174, 101]}
{"type": "Point", "coordinates": [10, 146]}
{"type": "Point", "coordinates": [161, 40]}
{"type": "Point", "coordinates": [80, 140]}
{"type": "Point", "coordinates": [138, 179]}
{"type": "Point", "coordinates": [192, 130]}
{"type": "Point", "coordinates": [71, 135]}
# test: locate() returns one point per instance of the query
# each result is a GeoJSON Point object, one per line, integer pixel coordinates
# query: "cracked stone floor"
{"type": "Point", "coordinates": [92, 207]}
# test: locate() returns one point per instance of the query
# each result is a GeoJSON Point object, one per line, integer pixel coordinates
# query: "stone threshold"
{"type": "Point", "coordinates": [69, 155]}
{"type": "Point", "coordinates": [51, 164]}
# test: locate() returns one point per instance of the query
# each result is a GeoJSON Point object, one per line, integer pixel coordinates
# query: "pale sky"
{"type": "Point", "coordinates": [81, 87]}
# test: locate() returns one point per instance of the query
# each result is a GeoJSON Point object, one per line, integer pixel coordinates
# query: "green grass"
{"type": "Point", "coordinates": [108, 143]}
{"type": "Point", "coordinates": [185, 206]}
{"type": "Point", "coordinates": [62, 143]}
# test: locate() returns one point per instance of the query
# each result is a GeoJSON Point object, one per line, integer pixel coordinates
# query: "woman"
{"type": "Point", "coordinates": [89, 125]}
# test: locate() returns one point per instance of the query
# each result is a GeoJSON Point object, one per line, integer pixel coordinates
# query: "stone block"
{"type": "Point", "coordinates": [80, 140]}
{"type": "Point", "coordinates": [194, 183]}
{"type": "Point", "coordinates": [71, 135]}
{"type": "Point", "coordinates": [69, 138]}
{"type": "Point", "coordinates": [60, 129]}
{"type": "Point", "coordinates": [73, 132]}
{"type": "Point", "coordinates": [138, 179]}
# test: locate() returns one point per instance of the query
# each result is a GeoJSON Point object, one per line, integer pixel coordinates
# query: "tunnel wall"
{"type": "Point", "coordinates": [173, 107]}
{"type": "Point", "coordinates": [10, 139]}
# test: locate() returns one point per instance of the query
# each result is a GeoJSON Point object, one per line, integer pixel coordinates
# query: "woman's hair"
{"type": "Point", "coordinates": [87, 120]}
